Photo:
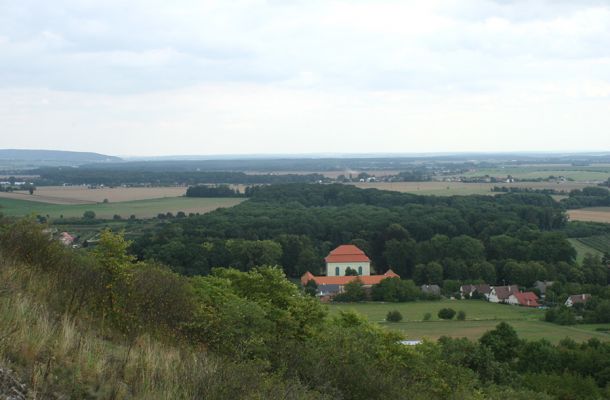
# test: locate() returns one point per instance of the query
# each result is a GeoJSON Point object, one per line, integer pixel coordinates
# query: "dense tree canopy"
{"type": "Point", "coordinates": [470, 237]}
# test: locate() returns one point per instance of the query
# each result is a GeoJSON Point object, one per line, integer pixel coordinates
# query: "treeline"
{"type": "Point", "coordinates": [265, 336]}
{"type": "Point", "coordinates": [212, 191]}
{"type": "Point", "coordinates": [118, 177]}
{"type": "Point", "coordinates": [587, 197]}
{"type": "Point", "coordinates": [513, 189]}
{"type": "Point", "coordinates": [471, 238]}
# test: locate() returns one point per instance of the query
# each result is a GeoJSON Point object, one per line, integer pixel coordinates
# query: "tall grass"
{"type": "Point", "coordinates": [63, 357]}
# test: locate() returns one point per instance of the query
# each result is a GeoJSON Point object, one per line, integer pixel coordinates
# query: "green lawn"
{"type": "Point", "coordinates": [139, 208]}
{"type": "Point", "coordinates": [481, 316]}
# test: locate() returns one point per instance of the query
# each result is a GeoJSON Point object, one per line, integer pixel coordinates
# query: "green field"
{"type": "Point", "coordinates": [601, 243]}
{"type": "Point", "coordinates": [139, 208]}
{"type": "Point", "coordinates": [594, 173]}
{"type": "Point", "coordinates": [481, 316]}
{"type": "Point", "coordinates": [582, 249]}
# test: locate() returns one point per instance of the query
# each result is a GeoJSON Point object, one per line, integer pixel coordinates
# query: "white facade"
{"type": "Point", "coordinates": [338, 269]}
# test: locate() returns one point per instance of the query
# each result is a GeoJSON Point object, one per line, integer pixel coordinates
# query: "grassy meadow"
{"type": "Point", "coordinates": [140, 208]}
{"type": "Point", "coordinates": [481, 316]}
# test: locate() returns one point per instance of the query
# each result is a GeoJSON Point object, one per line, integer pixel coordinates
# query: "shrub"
{"type": "Point", "coordinates": [89, 214]}
{"type": "Point", "coordinates": [446, 313]}
{"type": "Point", "coordinates": [394, 316]}
{"type": "Point", "coordinates": [461, 315]}
{"type": "Point", "coordinates": [427, 316]}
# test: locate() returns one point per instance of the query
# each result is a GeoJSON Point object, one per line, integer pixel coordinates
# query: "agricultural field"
{"type": "Point", "coordinates": [600, 243]}
{"type": "Point", "coordinates": [439, 188]}
{"type": "Point", "coordinates": [592, 214]}
{"type": "Point", "coordinates": [85, 195]}
{"type": "Point", "coordinates": [140, 208]}
{"type": "Point", "coordinates": [597, 173]}
{"type": "Point", "coordinates": [481, 316]}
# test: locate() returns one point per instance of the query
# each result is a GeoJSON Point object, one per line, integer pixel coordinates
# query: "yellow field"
{"type": "Point", "coordinates": [84, 195]}
{"type": "Point", "coordinates": [460, 188]}
{"type": "Point", "coordinates": [593, 214]}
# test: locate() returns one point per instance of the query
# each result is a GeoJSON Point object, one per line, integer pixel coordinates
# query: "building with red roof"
{"type": "Point", "coordinates": [347, 256]}
{"type": "Point", "coordinates": [525, 299]}
{"type": "Point", "coordinates": [337, 262]}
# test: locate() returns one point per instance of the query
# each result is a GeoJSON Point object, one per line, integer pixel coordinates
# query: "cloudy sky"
{"type": "Point", "coordinates": [241, 77]}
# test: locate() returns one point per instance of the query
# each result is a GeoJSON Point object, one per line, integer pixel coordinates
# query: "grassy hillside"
{"type": "Point", "coordinates": [481, 316]}
{"type": "Point", "coordinates": [60, 357]}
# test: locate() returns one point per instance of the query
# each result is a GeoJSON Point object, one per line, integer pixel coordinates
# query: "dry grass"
{"type": "Point", "coordinates": [61, 357]}
{"type": "Point", "coordinates": [459, 188]}
{"type": "Point", "coordinates": [83, 195]}
{"type": "Point", "coordinates": [593, 214]}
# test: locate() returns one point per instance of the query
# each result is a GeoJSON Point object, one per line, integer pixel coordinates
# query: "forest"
{"type": "Point", "coordinates": [514, 237]}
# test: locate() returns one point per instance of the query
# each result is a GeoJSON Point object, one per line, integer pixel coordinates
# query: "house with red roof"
{"type": "Point", "coordinates": [525, 299]}
{"type": "Point", "coordinates": [347, 256]}
{"type": "Point", "coordinates": [337, 263]}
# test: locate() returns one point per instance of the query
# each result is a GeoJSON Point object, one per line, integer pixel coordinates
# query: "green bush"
{"type": "Point", "coordinates": [446, 313]}
{"type": "Point", "coordinates": [427, 316]}
{"type": "Point", "coordinates": [461, 315]}
{"type": "Point", "coordinates": [394, 316]}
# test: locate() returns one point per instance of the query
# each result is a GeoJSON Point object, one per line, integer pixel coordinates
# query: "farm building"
{"type": "Point", "coordinates": [337, 263]}
{"type": "Point", "coordinates": [525, 299]}
{"type": "Point", "coordinates": [577, 299]}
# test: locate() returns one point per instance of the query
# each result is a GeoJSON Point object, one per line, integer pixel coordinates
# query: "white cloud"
{"type": "Point", "coordinates": [311, 76]}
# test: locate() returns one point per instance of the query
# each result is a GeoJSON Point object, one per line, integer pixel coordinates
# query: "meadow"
{"type": "Point", "coordinates": [140, 208]}
{"type": "Point", "coordinates": [481, 316]}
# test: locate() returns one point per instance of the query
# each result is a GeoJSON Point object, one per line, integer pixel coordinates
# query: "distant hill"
{"type": "Point", "coordinates": [54, 156]}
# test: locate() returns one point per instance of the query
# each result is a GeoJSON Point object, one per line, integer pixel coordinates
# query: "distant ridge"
{"type": "Point", "coordinates": [72, 157]}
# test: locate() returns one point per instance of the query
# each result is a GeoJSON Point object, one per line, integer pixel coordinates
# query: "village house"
{"type": "Point", "coordinates": [525, 299]}
{"type": "Point", "coordinates": [337, 263]}
{"type": "Point", "coordinates": [469, 290]}
{"type": "Point", "coordinates": [577, 299]}
{"type": "Point", "coordinates": [500, 294]}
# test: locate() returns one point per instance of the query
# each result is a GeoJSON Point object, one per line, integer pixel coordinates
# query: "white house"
{"type": "Point", "coordinates": [347, 256]}
{"type": "Point", "coordinates": [577, 299]}
{"type": "Point", "coordinates": [500, 294]}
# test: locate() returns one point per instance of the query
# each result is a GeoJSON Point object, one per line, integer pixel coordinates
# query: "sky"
{"type": "Point", "coordinates": [149, 77]}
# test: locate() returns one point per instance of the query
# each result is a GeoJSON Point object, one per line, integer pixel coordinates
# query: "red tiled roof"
{"type": "Point", "coordinates": [528, 299]}
{"type": "Point", "coordinates": [342, 280]}
{"type": "Point", "coordinates": [346, 253]}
